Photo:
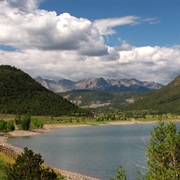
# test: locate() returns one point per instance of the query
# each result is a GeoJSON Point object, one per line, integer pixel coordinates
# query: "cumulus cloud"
{"type": "Point", "coordinates": [45, 30]}
{"type": "Point", "coordinates": [63, 46]}
{"type": "Point", "coordinates": [159, 64]}
{"type": "Point", "coordinates": [23, 5]}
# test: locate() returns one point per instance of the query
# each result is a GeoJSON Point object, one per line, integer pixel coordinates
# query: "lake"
{"type": "Point", "coordinates": [95, 151]}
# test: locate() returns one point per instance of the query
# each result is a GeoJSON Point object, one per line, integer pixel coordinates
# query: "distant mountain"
{"type": "Point", "coordinates": [100, 99]}
{"type": "Point", "coordinates": [99, 84]}
{"type": "Point", "coordinates": [19, 93]}
{"type": "Point", "coordinates": [56, 86]}
{"type": "Point", "coordinates": [166, 99]}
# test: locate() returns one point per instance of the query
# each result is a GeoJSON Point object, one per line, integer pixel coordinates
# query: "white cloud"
{"type": "Point", "coordinates": [63, 46]}
{"type": "Point", "coordinates": [23, 5]}
{"type": "Point", "coordinates": [152, 20]}
{"type": "Point", "coordinates": [159, 64]}
{"type": "Point", "coordinates": [45, 30]}
{"type": "Point", "coordinates": [105, 25]}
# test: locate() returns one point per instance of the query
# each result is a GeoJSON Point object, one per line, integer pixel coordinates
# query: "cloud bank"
{"type": "Point", "coordinates": [63, 46]}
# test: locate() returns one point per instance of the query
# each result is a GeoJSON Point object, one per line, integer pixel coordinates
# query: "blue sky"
{"type": "Point", "coordinates": [163, 30]}
{"type": "Point", "coordinates": [78, 39]}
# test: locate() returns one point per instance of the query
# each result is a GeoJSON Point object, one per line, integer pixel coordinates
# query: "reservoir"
{"type": "Point", "coordinates": [96, 151]}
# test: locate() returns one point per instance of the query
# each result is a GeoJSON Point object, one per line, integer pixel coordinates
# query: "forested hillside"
{"type": "Point", "coordinates": [165, 100]}
{"type": "Point", "coordinates": [19, 93]}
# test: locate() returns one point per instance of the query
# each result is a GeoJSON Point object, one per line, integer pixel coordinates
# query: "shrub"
{"type": "Point", "coordinates": [28, 166]}
{"type": "Point", "coordinates": [25, 122]}
{"type": "Point", "coordinates": [2, 125]}
{"type": "Point", "coordinates": [10, 125]}
{"type": "Point", "coordinates": [35, 123]}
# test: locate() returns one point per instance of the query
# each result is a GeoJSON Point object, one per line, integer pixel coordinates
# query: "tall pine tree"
{"type": "Point", "coordinates": [163, 153]}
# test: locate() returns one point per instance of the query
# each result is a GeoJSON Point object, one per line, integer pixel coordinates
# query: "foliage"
{"type": "Point", "coordinates": [2, 168]}
{"type": "Point", "coordinates": [121, 174]}
{"type": "Point", "coordinates": [163, 153]}
{"type": "Point", "coordinates": [25, 122]}
{"type": "Point", "coordinates": [2, 125]}
{"type": "Point", "coordinates": [35, 123]}
{"type": "Point", "coordinates": [10, 125]}
{"type": "Point", "coordinates": [20, 94]}
{"type": "Point", "coordinates": [165, 100]}
{"type": "Point", "coordinates": [28, 166]}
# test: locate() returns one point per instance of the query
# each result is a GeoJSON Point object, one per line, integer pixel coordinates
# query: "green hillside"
{"type": "Point", "coordinates": [165, 100]}
{"type": "Point", "coordinates": [19, 93]}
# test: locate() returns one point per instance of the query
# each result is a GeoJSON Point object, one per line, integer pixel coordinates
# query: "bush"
{"type": "Point", "coordinates": [2, 169]}
{"type": "Point", "coordinates": [10, 125]}
{"type": "Point", "coordinates": [2, 125]}
{"type": "Point", "coordinates": [28, 166]}
{"type": "Point", "coordinates": [25, 122]}
{"type": "Point", "coordinates": [35, 123]}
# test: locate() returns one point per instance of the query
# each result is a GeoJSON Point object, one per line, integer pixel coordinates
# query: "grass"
{"type": "Point", "coordinates": [72, 120]}
{"type": "Point", "coordinates": [4, 160]}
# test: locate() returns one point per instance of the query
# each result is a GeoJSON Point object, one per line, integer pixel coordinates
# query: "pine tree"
{"type": "Point", "coordinates": [163, 153]}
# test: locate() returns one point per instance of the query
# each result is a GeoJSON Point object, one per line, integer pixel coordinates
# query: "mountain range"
{"type": "Point", "coordinates": [99, 84]}
{"type": "Point", "coordinates": [20, 94]}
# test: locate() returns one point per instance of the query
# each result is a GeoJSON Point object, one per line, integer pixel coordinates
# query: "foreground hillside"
{"type": "Point", "coordinates": [19, 93]}
{"type": "Point", "coordinates": [166, 99]}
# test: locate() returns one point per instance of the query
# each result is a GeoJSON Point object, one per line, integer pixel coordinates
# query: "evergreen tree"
{"type": "Point", "coordinates": [163, 153]}
{"type": "Point", "coordinates": [28, 166]}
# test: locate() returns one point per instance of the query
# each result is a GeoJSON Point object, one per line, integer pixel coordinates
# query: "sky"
{"type": "Point", "coordinates": [79, 39]}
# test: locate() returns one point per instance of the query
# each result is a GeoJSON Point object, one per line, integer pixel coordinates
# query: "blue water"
{"type": "Point", "coordinates": [95, 151]}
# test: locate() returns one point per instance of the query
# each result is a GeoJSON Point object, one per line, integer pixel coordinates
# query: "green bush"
{"type": "Point", "coordinates": [10, 125]}
{"type": "Point", "coordinates": [28, 166]}
{"type": "Point", "coordinates": [2, 169]}
{"type": "Point", "coordinates": [35, 123]}
{"type": "Point", "coordinates": [2, 125]}
{"type": "Point", "coordinates": [25, 122]}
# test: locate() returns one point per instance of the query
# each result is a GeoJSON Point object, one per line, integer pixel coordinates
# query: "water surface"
{"type": "Point", "coordinates": [95, 151]}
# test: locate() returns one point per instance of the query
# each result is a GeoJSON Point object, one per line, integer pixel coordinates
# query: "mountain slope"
{"type": "Point", "coordinates": [19, 93]}
{"type": "Point", "coordinates": [99, 84]}
{"type": "Point", "coordinates": [97, 99]}
{"type": "Point", "coordinates": [166, 99]}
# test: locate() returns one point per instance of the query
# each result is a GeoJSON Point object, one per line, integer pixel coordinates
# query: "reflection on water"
{"type": "Point", "coordinates": [96, 151]}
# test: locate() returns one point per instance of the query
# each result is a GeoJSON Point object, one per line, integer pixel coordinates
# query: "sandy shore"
{"type": "Point", "coordinates": [50, 127]}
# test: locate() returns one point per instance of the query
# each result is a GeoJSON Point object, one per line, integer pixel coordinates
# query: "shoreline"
{"type": "Point", "coordinates": [49, 128]}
